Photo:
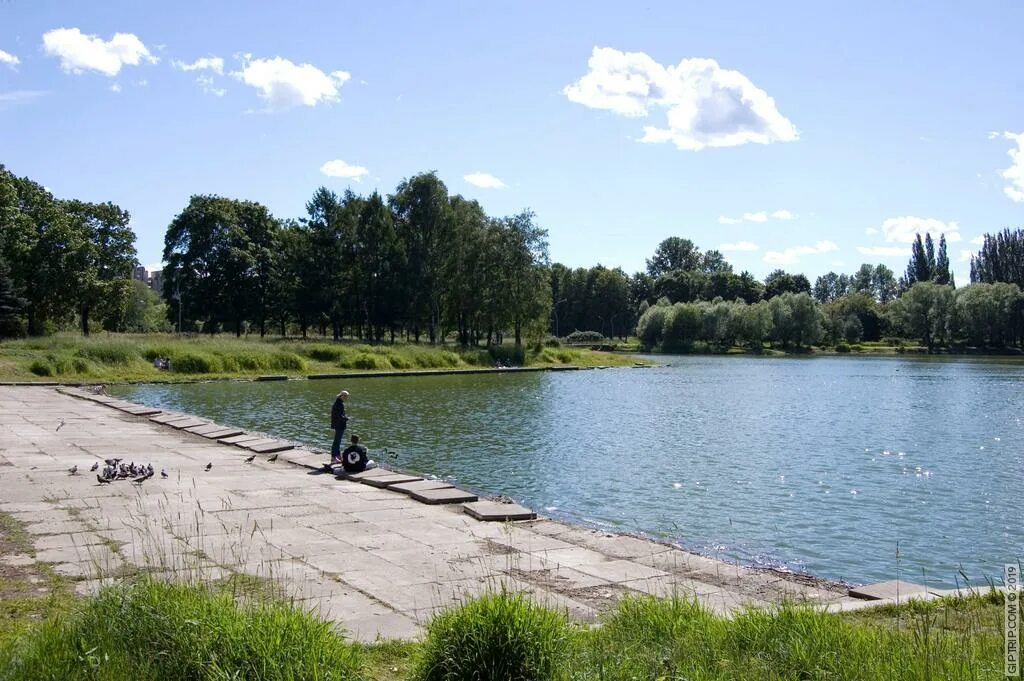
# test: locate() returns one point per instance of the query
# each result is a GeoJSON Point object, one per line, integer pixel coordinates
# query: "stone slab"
{"type": "Point", "coordinates": [139, 410]}
{"type": "Point", "coordinates": [205, 428]}
{"type": "Point", "coordinates": [222, 433]}
{"type": "Point", "coordinates": [169, 416]}
{"type": "Point", "coordinates": [187, 422]}
{"type": "Point", "coordinates": [889, 590]}
{"type": "Point", "coordinates": [255, 443]}
{"type": "Point", "coordinates": [235, 439]}
{"type": "Point", "coordinates": [271, 378]}
{"type": "Point", "coordinates": [369, 473]}
{"type": "Point", "coordinates": [444, 495]}
{"type": "Point", "coordinates": [419, 486]}
{"type": "Point", "coordinates": [275, 446]}
{"type": "Point", "coordinates": [493, 511]}
{"type": "Point", "coordinates": [388, 480]}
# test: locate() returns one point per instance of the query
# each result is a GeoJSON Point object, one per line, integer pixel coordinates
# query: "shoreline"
{"type": "Point", "coordinates": [408, 559]}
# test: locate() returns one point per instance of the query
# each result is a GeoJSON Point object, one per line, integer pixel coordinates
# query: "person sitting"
{"type": "Point", "coordinates": [354, 458]}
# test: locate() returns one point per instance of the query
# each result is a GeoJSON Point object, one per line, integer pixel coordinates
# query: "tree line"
{"type": "Point", "coordinates": [420, 263]}
{"type": "Point", "coordinates": [424, 264]}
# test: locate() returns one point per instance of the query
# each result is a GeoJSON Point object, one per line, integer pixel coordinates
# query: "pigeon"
{"type": "Point", "coordinates": [163, 473]}
{"type": "Point", "coordinates": [60, 425]}
{"type": "Point", "coordinates": [73, 470]}
{"type": "Point", "coordinates": [272, 459]}
{"type": "Point", "coordinates": [141, 479]}
{"type": "Point", "coordinates": [103, 481]}
{"type": "Point", "coordinates": [149, 470]}
{"type": "Point", "coordinates": [94, 468]}
{"type": "Point", "coordinates": [209, 465]}
{"type": "Point", "coordinates": [111, 462]}
{"type": "Point", "coordinates": [251, 459]}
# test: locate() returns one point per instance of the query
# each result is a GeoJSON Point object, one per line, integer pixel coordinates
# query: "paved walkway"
{"type": "Point", "coordinates": [375, 561]}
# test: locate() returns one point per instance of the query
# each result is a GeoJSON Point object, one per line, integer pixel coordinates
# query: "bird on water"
{"type": "Point", "coordinates": [272, 459]}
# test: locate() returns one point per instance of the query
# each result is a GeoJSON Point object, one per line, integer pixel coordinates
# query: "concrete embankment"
{"type": "Point", "coordinates": [373, 559]}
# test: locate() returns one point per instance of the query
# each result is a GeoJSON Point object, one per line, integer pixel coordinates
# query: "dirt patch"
{"type": "Point", "coordinates": [20, 575]}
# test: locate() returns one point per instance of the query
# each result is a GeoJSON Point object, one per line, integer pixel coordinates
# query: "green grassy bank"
{"type": "Point", "coordinates": [149, 630]}
{"type": "Point", "coordinates": [130, 357]}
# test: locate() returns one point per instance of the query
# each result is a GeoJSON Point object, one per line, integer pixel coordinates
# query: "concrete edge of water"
{"type": "Point", "coordinates": [891, 592]}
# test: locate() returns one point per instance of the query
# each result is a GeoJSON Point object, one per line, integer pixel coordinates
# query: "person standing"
{"type": "Point", "coordinates": [339, 421]}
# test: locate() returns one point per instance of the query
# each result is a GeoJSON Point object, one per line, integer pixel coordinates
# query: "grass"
{"type": "Point", "coordinates": [244, 627]}
{"type": "Point", "coordinates": [146, 629]}
{"type": "Point", "coordinates": [126, 357]}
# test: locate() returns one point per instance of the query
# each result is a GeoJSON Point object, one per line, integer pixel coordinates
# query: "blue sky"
{"type": "Point", "coordinates": [808, 136]}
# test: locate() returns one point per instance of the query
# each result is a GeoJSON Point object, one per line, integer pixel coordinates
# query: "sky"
{"type": "Point", "coordinates": [803, 135]}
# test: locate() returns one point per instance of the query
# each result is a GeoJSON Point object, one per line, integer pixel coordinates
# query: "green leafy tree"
{"type": "Point", "coordinates": [883, 282]}
{"type": "Point", "coordinates": [527, 288]}
{"type": "Point", "coordinates": [11, 304]}
{"type": "Point", "coordinates": [779, 281]}
{"type": "Point", "coordinates": [422, 216]}
{"type": "Point", "coordinates": [104, 262]}
{"type": "Point", "coordinates": [681, 327]}
{"type": "Point", "coordinates": [145, 312]}
{"type": "Point", "coordinates": [1000, 259]}
{"type": "Point", "coordinates": [675, 253]}
{"type": "Point", "coordinates": [924, 311]}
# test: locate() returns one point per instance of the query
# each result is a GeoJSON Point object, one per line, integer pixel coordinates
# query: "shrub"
{"type": "Point", "coordinates": [366, 361]}
{"type": "Point", "coordinates": [326, 353]}
{"type": "Point", "coordinates": [842, 347]}
{"type": "Point", "coordinates": [498, 636]}
{"type": "Point", "coordinates": [41, 368]}
{"type": "Point", "coordinates": [584, 337]}
{"type": "Point", "coordinates": [191, 362]}
{"type": "Point", "coordinates": [507, 354]}
{"type": "Point", "coordinates": [109, 353]}
{"type": "Point", "coordinates": [287, 361]}
{"type": "Point", "coordinates": [149, 630]}
{"type": "Point", "coordinates": [552, 342]}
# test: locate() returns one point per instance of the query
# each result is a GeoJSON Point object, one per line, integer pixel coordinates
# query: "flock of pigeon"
{"type": "Point", "coordinates": [116, 469]}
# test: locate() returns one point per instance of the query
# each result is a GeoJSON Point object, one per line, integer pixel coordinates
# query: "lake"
{"type": "Point", "coordinates": [844, 467]}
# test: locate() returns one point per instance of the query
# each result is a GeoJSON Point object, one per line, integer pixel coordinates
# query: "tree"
{"type": "Point", "coordinates": [421, 213]}
{"type": "Point", "coordinates": [826, 288]}
{"type": "Point", "coordinates": [675, 253]}
{"type": "Point", "coordinates": [1001, 258]}
{"type": "Point", "coordinates": [941, 273]}
{"type": "Point", "coordinates": [145, 311]}
{"type": "Point", "coordinates": [105, 260]}
{"type": "Point", "coordinates": [681, 327]}
{"type": "Point", "coordinates": [217, 255]}
{"type": "Point", "coordinates": [41, 244]}
{"type": "Point", "coordinates": [924, 310]}
{"type": "Point", "coordinates": [11, 304]}
{"type": "Point", "coordinates": [922, 262]}
{"type": "Point", "coordinates": [680, 286]}
{"type": "Point", "coordinates": [780, 281]}
{"type": "Point", "coordinates": [525, 282]}
{"type": "Point", "coordinates": [883, 281]}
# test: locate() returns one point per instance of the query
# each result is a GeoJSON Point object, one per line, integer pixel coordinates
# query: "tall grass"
{"type": "Point", "coordinates": [148, 630]}
{"type": "Point", "coordinates": [649, 638]}
{"type": "Point", "coordinates": [498, 636]}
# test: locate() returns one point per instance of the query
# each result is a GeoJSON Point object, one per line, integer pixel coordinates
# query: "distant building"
{"type": "Point", "coordinates": [140, 273]}
{"type": "Point", "coordinates": [156, 281]}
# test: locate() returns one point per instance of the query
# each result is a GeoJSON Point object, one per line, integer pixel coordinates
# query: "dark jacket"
{"type": "Point", "coordinates": [338, 418]}
{"type": "Point", "coordinates": [354, 458]}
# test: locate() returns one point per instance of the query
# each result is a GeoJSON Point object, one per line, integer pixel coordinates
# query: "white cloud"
{"type": "Point", "coordinates": [885, 251]}
{"type": "Point", "coordinates": [15, 97]}
{"type": "Point", "coordinates": [978, 240]}
{"type": "Point", "coordinates": [739, 246]}
{"type": "Point", "coordinates": [791, 256]}
{"type": "Point", "coordinates": [705, 105]}
{"type": "Point", "coordinates": [871, 231]}
{"type": "Point", "coordinates": [79, 52]}
{"type": "Point", "coordinates": [1015, 173]}
{"type": "Point", "coordinates": [209, 87]}
{"type": "Point", "coordinates": [215, 64]}
{"type": "Point", "coordinates": [759, 216]}
{"type": "Point", "coordinates": [115, 88]}
{"type": "Point", "coordinates": [338, 168]}
{"type": "Point", "coordinates": [905, 229]}
{"type": "Point", "coordinates": [9, 59]}
{"type": "Point", "coordinates": [484, 180]}
{"type": "Point", "coordinates": [284, 84]}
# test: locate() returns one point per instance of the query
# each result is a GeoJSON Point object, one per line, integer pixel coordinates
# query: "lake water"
{"type": "Point", "coordinates": [848, 468]}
